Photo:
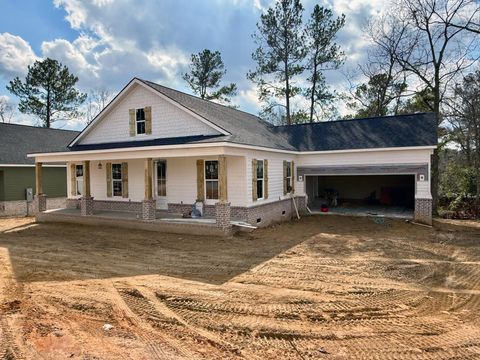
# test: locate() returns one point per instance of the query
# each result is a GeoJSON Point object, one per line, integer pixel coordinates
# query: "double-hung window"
{"type": "Point", "coordinates": [79, 179]}
{"type": "Point", "coordinates": [260, 179]}
{"type": "Point", "coordinates": [140, 121]}
{"type": "Point", "coordinates": [211, 179]}
{"type": "Point", "coordinates": [288, 176]}
{"type": "Point", "coordinates": [117, 179]}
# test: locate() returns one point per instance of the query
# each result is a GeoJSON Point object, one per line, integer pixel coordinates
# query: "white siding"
{"type": "Point", "coordinates": [371, 158]}
{"type": "Point", "coordinates": [167, 120]}
{"type": "Point", "coordinates": [181, 180]}
{"type": "Point", "coordinates": [275, 175]}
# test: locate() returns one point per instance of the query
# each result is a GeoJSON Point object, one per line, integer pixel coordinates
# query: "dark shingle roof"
{"type": "Point", "coordinates": [16, 141]}
{"type": "Point", "coordinates": [368, 133]}
{"type": "Point", "coordinates": [248, 129]}
{"type": "Point", "coordinates": [244, 128]}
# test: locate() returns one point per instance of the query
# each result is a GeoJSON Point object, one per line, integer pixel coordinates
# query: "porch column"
{"type": "Point", "coordinates": [222, 208]}
{"type": "Point", "coordinates": [40, 201]}
{"type": "Point", "coordinates": [148, 203]}
{"type": "Point", "coordinates": [86, 202]}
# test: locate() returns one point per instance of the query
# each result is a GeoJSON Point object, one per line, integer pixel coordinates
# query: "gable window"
{"type": "Point", "coordinates": [117, 179]}
{"type": "Point", "coordinates": [260, 179]}
{"type": "Point", "coordinates": [211, 179]}
{"type": "Point", "coordinates": [140, 121]}
{"type": "Point", "coordinates": [79, 179]}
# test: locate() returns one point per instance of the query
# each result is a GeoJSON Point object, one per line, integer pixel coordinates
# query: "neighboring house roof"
{"type": "Point", "coordinates": [16, 141]}
{"type": "Point", "coordinates": [378, 132]}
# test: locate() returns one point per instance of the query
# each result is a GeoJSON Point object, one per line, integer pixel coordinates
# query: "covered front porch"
{"type": "Point", "coordinates": [158, 190]}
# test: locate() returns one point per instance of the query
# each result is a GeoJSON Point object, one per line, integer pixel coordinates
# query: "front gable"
{"type": "Point", "coordinates": [168, 119]}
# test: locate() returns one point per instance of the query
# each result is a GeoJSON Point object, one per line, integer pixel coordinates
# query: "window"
{"type": "Point", "coordinates": [162, 178]}
{"type": "Point", "coordinates": [211, 179]}
{"type": "Point", "coordinates": [79, 179]}
{"type": "Point", "coordinates": [140, 121]}
{"type": "Point", "coordinates": [260, 179]}
{"type": "Point", "coordinates": [288, 176]}
{"type": "Point", "coordinates": [117, 179]}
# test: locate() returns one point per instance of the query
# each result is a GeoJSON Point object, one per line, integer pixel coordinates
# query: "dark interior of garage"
{"type": "Point", "coordinates": [367, 194]}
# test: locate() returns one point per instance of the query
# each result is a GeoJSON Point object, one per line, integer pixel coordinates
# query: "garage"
{"type": "Point", "coordinates": [362, 195]}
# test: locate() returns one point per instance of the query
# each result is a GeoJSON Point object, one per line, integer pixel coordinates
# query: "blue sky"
{"type": "Point", "coordinates": [106, 42]}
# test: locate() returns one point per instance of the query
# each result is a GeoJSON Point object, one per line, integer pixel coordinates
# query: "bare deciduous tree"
{"type": "Point", "coordinates": [434, 43]}
{"type": "Point", "coordinates": [6, 110]}
{"type": "Point", "coordinates": [96, 101]}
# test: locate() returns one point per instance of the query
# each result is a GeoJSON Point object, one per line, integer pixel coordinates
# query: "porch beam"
{"type": "Point", "coordinates": [149, 179]}
{"type": "Point", "coordinates": [38, 178]}
{"type": "Point", "coordinates": [86, 179]}
{"type": "Point", "coordinates": [222, 179]}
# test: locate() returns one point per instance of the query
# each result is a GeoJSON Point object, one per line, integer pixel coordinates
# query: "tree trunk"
{"type": "Point", "coordinates": [312, 96]}
{"type": "Point", "coordinates": [47, 120]}
{"type": "Point", "coordinates": [287, 95]}
{"type": "Point", "coordinates": [435, 156]}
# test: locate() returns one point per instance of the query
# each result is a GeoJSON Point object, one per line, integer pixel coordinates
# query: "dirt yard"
{"type": "Point", "coordinates": [325, 287]}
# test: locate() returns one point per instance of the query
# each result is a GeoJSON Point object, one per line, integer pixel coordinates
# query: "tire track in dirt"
{"type": "Point", "coordinates": [188, 337]}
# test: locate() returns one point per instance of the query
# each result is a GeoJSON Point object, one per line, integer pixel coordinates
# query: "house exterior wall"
{"type": "Point", "coordinates": [17, 179]}
{"type": "Point", "coordinates": [181, 180]}
{"type": "Point", "coordinates": [389, 157]}
{"type": "Point", "coordinates": [168, 120]}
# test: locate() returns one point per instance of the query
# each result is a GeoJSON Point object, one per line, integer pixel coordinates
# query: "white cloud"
{"type": "Point", "coordinates": [15, 55]}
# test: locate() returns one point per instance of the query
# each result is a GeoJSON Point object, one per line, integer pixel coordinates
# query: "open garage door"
{"type": "Point", "coordinates": [387, 195]}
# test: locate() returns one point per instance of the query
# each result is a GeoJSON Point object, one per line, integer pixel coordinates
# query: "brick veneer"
{"type": "Point", "coordinates": [267, 213]}
{"type": "Point", "coordinates": [86, 206]}
{"type": "Point", "coordinates": [222, 217]}
{"type": "Point", "coordinates": [72, 203]}
{"type": "Point", "coordinates": [39, 203]}
{"type": "Point", "coordinates": [149, 208]}
{"type": "Point", "coordinates": [131, 206]}
{"type": "Point", "coordinates": [423, 211]}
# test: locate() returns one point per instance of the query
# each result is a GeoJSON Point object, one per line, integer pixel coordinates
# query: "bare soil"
{"type": "Point", "coordinates": [323, 287]}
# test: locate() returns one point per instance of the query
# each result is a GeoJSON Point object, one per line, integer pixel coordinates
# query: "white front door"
{"type": "Point", "coordinates": [161, 184]}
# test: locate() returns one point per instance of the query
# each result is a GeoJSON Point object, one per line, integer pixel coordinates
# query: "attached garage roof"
{"type": "Point", "coordinates": [379, 132]}
{"type": "Point", "coordinates": [16, 141]}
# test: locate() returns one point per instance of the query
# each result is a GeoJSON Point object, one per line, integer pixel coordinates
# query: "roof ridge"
{"type": "Point", "coordinates": [38, 127]}
{"type": "Point", "coordinates": [356, 119]}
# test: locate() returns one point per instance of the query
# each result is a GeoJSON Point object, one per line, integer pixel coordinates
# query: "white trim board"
{"type": "Point", "coordinates": [224, 144]}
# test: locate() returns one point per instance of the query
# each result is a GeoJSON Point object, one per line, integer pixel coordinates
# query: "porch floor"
{"type": "Point", "coordinates": [160, 215]}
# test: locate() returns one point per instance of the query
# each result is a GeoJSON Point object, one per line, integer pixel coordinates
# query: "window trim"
{"type": "Point", "coordinates": [262, 179]}
{"type": "Point", "coordinates": [165, 177]}
{"type": "Point", "coordinates": [205, 180]}
{"type": "Point", "coordinates": [144, 121]}
{"type": "Point", "coordinates": [118, 180]}
{"type": "Point", "coordinates": [77, 192]}
{"type": "Point", "coordinates": [289, 166]}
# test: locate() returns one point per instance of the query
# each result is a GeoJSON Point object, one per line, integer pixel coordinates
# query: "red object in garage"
{"type": "Point", "coordinates": [324, 208]}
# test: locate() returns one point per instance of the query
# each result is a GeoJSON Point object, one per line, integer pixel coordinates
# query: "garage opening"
{"type": "Point", "coordinates": [362, 195]}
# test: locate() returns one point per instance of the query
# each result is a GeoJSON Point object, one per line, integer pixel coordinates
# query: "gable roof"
{"type": "Point", "coordinates": [16, 141]}
{"type": "Point", "coordinates": [368, 133]}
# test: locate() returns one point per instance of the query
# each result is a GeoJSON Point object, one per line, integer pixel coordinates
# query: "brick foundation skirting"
{"type": "Point", "coordinates": [174, 208]}
{"type": "Point", "coordinates": [267, 213]}
{"type": "Point", "coordinates": [111, 205]}
{"type": "Point", "coordinates": [22, 208]}
{"type": "Point", "coordinates": [423, 211]}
